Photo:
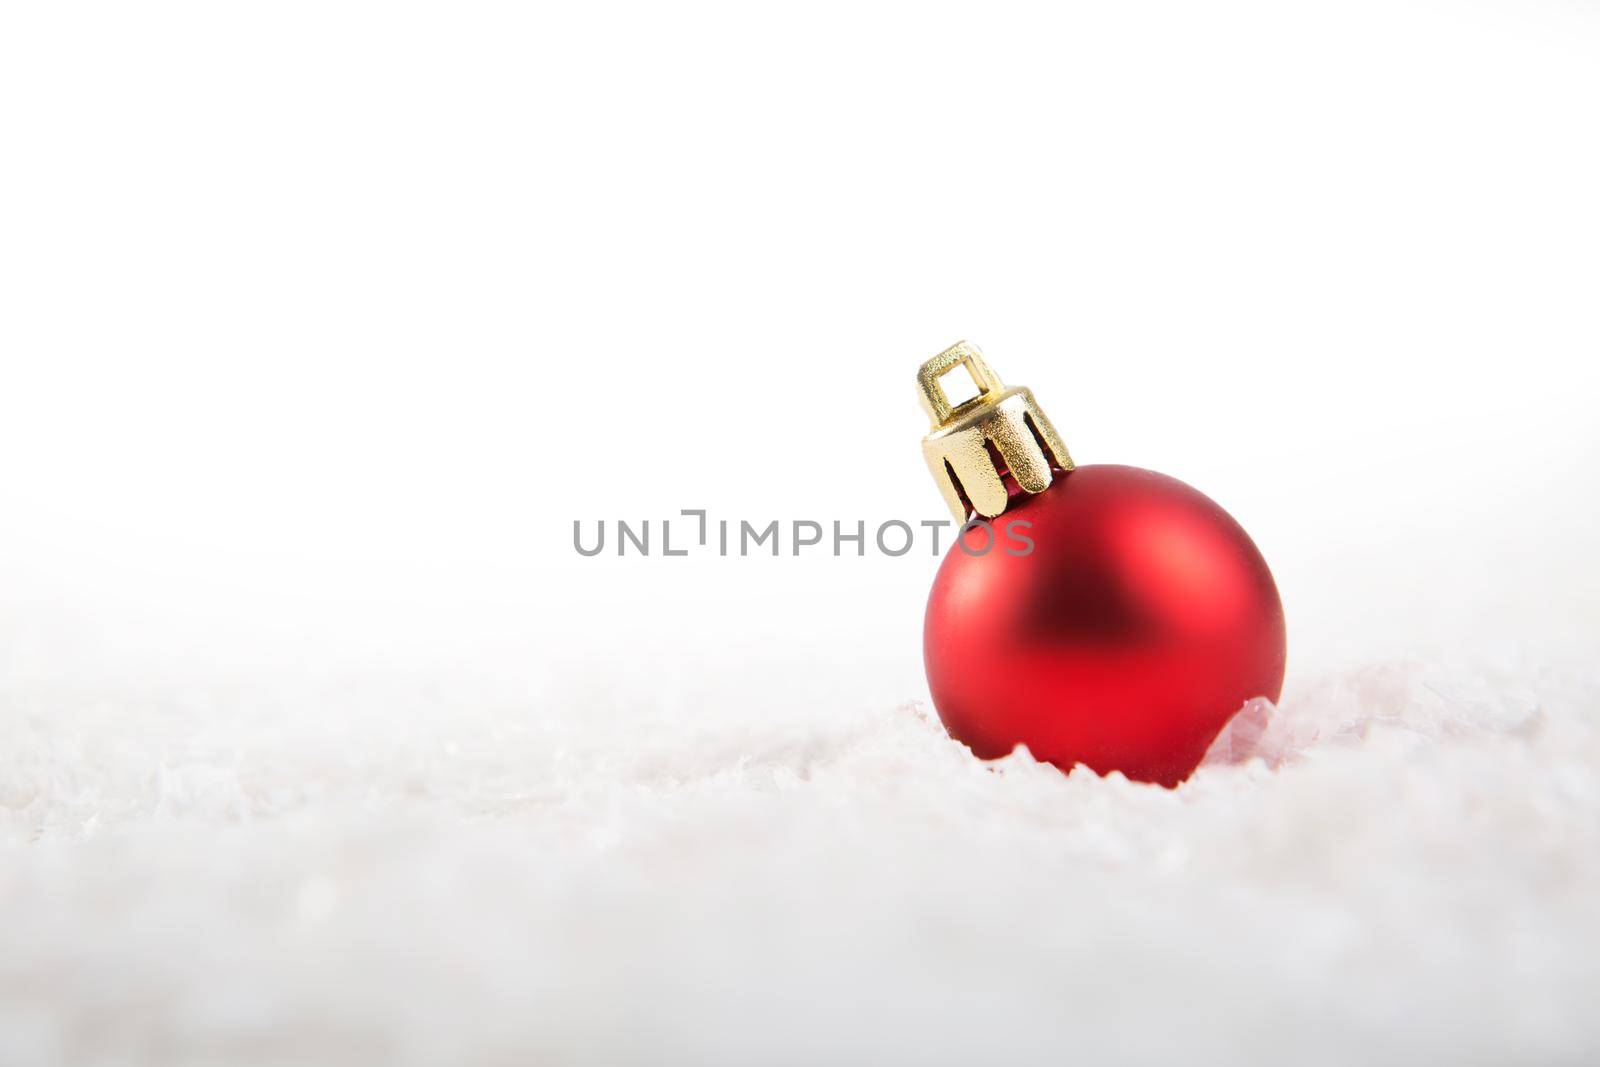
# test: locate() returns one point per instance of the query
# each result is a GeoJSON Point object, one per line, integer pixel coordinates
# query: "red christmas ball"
{"type": "Point", "coordinates": [1140, 621]}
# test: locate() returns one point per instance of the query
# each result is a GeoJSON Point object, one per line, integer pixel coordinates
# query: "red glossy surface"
{"type": "Point", "coordinates": [1140, 623]}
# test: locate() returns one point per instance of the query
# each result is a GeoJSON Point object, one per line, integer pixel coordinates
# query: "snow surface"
{"type": "Point", "coordinates": [1400, 865]}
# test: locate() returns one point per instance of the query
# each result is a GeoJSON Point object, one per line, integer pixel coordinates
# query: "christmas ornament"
{"type": "Point", "coordinates": [1101, 615]}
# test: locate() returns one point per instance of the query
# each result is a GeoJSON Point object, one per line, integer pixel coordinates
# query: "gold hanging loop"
{"type": "Point", "coordinates": [958, 449]}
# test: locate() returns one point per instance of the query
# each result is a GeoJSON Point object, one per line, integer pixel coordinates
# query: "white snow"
{"type": "Point", "coordinates": [1402, 867]}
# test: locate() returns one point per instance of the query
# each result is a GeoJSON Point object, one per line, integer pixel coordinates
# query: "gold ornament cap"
{"type": "Point", "coordinates": [976, 444]}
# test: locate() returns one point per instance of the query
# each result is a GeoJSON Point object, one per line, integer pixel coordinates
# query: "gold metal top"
{"type": "Point", "coordinates": [1009, 420]}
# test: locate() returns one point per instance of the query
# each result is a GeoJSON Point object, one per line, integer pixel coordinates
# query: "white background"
{"type": "Point", "coordinates": [321, 324]}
